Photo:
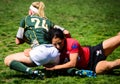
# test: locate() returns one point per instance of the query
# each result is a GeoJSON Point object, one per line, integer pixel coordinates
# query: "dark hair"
{"type": "Point", "coordinates": [57, 33]}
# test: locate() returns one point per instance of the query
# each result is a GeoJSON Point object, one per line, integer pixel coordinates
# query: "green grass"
{"type": "Point", "coordinates": [89, 21]}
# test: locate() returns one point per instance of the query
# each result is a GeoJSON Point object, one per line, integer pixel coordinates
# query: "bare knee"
{"type": "Point", "coordinates": [16, 56]}
{"type": "Point", "coordinates": [103, 67]}
{"type": "Point", "coordinates": [7, 61]}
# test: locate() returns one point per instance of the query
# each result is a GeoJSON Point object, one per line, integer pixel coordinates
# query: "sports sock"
{"type": "Point", "coordinates": [18, 66]}
{"type": "Point", "coordinates": [71, 71]}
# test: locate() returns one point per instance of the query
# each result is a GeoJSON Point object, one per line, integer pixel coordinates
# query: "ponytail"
{"type": "Point", "coordinates": [40, 7]}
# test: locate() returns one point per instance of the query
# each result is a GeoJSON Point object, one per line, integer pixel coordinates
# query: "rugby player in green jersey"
{"type": "Point", "coordinates": [34, 30]}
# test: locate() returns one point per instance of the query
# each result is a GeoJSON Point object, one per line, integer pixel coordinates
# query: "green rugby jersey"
{"type": "Point", "coordinates": [36, 29]}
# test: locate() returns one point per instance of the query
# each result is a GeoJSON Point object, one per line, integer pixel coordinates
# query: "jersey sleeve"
{"type": "Point", "coordinates": [20, 31]}
{"type": "Point", "coordinates": [74, 47]}
{"type": "Point", "coordinates": [22, 23]}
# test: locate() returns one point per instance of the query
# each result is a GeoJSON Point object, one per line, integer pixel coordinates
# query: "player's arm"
{"type": "Point", "coordinates": [72, 63]}
{"type": "Point", "coordinates": [19, 37]}
{"type": "Point", "coordinates": [66, 32]}
{"type": "Point", "coordinates": [26, 52]}
{"type": "Point", "coordinates": [20, 33]}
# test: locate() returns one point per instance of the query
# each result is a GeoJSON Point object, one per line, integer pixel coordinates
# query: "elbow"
{"type": "Point", "coordinates": [66, 32]}
{"type": "Point", "coordinates": [72, 65]}
{"type": "Point", "coordinates": [18, 41]}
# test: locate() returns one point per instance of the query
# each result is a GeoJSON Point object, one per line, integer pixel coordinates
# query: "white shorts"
{"type": "Point", "coordinates": [45, 54]}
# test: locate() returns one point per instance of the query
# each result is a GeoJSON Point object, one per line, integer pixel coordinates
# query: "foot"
{"type": "Point", "coordinates": [38, 74]}
{"type": "Point", "coordinates": [87, 73]}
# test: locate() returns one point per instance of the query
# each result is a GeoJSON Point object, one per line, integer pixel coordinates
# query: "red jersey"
{"type": "Point", "coordinates": [72, 46]}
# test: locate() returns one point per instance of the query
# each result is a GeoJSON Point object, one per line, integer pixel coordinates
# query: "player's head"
{"type": "Point", "coordinates": [57, 38]}
{"type": "Point", "coordinates": [37, 8]}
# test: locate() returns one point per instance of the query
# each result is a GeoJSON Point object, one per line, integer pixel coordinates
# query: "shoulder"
{"type": "Point", "coordinates": [72, 43]}
{"type": "Point", "coordinates": [24, 18]}
{"type": "Point", "coordinates": [71, 40]}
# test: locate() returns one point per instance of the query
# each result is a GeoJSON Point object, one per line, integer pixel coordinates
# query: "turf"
{"type": "Point", "coordinates": [89, 21]}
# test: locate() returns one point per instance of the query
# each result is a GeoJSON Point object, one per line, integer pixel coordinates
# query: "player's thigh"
{"type": "Point", "coordinates": [110, 44]}
{"type": "Point", "coordinates": [18, 57]}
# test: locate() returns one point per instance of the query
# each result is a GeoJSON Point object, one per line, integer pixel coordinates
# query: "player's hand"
{"type": "Point", "coordinates": [52, 68]}
{"type": "Point", "coordinates": [26, 52]}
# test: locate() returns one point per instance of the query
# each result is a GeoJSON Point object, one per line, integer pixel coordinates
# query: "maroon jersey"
{"type": "Point", "coordinates": [72, 46]}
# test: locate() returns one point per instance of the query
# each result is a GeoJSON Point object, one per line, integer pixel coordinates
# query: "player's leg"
{"type": "Point", "coordinates": [17, 62]}
{"type": "Point", "coordinates": [104, 66]}
{"type": "Point", "coordinates": [111, 44]}
{"type": "Point", "coordinates": [18, 57]}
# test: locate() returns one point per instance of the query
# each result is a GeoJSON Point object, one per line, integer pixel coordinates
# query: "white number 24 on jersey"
{"type": "Point", "coordinates": [37, 23]}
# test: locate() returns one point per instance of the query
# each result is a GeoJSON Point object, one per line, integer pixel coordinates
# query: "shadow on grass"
{"type": "Point", "coordinates": [52, 74]}
{"type": "Point", "coordinates": [115, 72]}
{"type": "Point", "coordinates": [48, 74]}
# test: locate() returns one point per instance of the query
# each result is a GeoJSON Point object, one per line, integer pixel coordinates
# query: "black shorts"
{"type": "Point", "coordinates": [96, 55]}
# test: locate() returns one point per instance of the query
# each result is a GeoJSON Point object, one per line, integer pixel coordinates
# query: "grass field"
{"type": "Point", "coordinates": [89, 21]}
